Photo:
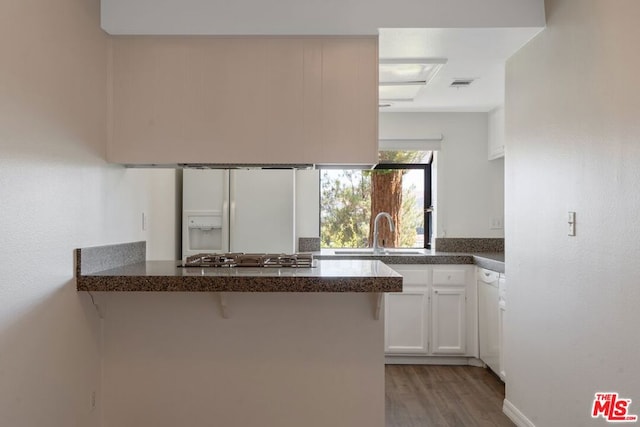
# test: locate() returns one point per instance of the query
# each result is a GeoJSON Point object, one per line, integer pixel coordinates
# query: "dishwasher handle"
{"type": "Point", "coordinates": [488, 276]}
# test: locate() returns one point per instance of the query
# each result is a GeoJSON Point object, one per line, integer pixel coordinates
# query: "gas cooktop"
{"type": "Point", "coordinates": [299, 260]}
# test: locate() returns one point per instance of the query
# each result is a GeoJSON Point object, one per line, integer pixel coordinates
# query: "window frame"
{"type": "Point", "coordinates": [427, 208]}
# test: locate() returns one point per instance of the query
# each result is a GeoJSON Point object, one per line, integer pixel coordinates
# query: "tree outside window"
{"type": "Point", "coordinates": [350, 200]}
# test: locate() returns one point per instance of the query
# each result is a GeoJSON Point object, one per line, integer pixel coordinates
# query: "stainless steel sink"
{"type": "Point", "coordinates": [387, 252]}
{"type": "Point", "coordinates": [404, 252]}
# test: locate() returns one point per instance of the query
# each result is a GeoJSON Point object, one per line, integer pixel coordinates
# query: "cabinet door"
{"type": "Point", "coordinates": [407, 313]}
{"type": "Point", "coordinates": [461, 276]}
{"type": "Point", "coordinates": [405, 326]}
{"type": "Point", "coordinates": [349, 101]}
{"type": "Point", "coordinates": [448, 320]}
{"type": "Point", "coordinates": [204, 100]}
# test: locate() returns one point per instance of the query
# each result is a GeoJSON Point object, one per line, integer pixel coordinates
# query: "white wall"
{"type": "Point", "coordinates": [56, 194]}
{"type": "Point", "coordinates": [572, 145]}
{"type": "Point", "coordinates": [496, 133]}
{"type": "Point", "coordinates": [469, 188]}
{"type": "Point", "coordinates": [156, 193]}
{"type": "Point", "coordinates": [312, 16]}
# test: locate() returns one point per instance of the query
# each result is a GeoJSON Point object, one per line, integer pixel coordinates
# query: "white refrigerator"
{"type": "Point", "coordinates": [238, 210]}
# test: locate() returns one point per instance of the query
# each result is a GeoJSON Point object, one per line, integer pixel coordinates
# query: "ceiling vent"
{"type": "Point", "coordinates": [461, 83]}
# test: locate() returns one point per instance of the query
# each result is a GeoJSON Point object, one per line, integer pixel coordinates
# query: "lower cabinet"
{"type": "Point", "coordinates": [449, 330]}
{"type": "Point", "coordinates": [435, 314]}
{"type": "Point", "coordinates": [406, 327]}
{"type": "Point", "coordinates": [407, 333]}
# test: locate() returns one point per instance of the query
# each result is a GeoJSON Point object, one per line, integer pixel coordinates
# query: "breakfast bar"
{"type": "Point", "coordinates": [169, 276]}
{"type": "Point", "coordinates": [293, 346]}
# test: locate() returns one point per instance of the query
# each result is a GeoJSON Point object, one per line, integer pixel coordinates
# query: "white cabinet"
{"type": "Point", "coordinates": [407, 314]}
{"type": "Point", "coordinates": [435, 313]}
{"type": "Point", "coordinates": [448, 320]}
{"type": "Point", "coordinates": [454, 311]}
{"type": "Point", "coordinates": [407, 333]}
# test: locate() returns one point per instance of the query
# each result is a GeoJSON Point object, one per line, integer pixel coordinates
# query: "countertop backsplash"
{"type": "Point", "coordinates": [464, 244]}
{"type": "Point", "coordinates": [308, 244]}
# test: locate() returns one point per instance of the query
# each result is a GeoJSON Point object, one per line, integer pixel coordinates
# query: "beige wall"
{"type": "Point", "coordinates": [56, 194]}
{"type": "Point", "coordinates": [572, 128]}
{"type": "Point", "coordinates": [279, 360]}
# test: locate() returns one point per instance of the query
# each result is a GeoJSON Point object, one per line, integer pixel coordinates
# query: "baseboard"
{"type": "Point", "coordinates": [432, 360]}
{"type": "Point", "coordinates": [477, 363]}
{"type": "Point", "coordinates": [515, 415]}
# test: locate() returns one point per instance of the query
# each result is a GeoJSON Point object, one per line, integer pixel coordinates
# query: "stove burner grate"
{"type": "Point", "coordinates": [300, 260]}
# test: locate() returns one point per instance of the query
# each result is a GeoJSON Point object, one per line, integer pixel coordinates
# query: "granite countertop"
{"type": "Point", "coordinates": [490, 261]}
{"type": "Point", "coordinates": [345, 275]}
{"type": "Point", "coordinates": [398, 256]}
{"type": "Point", "coordinates": [122, 267]}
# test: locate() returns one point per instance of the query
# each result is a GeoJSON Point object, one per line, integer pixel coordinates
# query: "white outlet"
{"type": "Point", "coordinates": [92, 401]}
{"type": "Point", "coordinates": [145, 220]}
{"type": "Point", "coordinates": [497, 223]}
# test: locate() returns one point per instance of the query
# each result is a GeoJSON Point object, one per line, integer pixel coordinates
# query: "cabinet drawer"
{"type": "Point", "coordinates": [449, 277]}
{"type": "Point", "coordinates": [413, 275]}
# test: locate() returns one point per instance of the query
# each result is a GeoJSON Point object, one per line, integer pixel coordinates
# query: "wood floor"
{"type": "Point", "coordinates": [443, 396]}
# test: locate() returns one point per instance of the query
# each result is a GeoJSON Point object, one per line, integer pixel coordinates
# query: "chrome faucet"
{"type": "Point", "coordinates": [376, 248]}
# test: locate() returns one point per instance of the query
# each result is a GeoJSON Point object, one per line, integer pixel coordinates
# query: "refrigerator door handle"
{"type": "Point", "coordinates": [232, 223]}
{"type": "Point", "coordinates": [228, 209]}
{"type": "Point", "coordinates": [225, 225]}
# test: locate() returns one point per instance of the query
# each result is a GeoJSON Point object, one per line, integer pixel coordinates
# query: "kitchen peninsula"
{"type": "Point", "coordinates": [123, 268]}
{"type": "Point", "coordinates": [285, 346]}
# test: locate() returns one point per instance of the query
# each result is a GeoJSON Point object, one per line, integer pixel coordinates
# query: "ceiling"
{"type": "Point", "coordinates": [475, 53]}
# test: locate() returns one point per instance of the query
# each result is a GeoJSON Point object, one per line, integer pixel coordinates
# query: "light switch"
{"type": "Point", "coordinates": [572, 223]}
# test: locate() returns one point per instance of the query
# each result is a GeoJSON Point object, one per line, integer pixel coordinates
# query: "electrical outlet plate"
{"type": "Point", "coordinates": [497, 223]}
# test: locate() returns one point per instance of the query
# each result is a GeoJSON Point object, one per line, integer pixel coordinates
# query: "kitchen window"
{"type": "Point", "coordinates": [400, 185]}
